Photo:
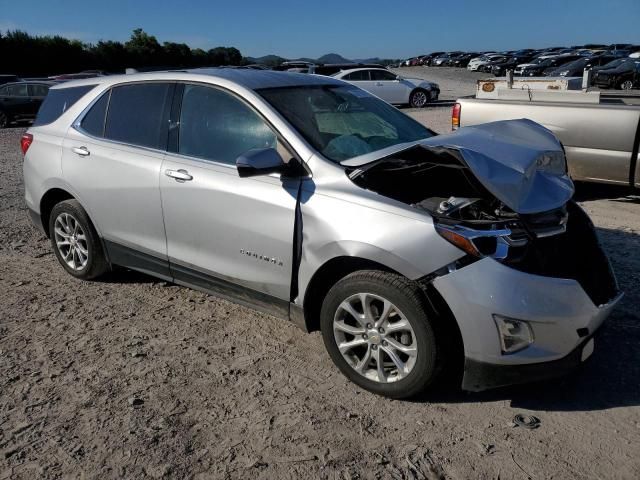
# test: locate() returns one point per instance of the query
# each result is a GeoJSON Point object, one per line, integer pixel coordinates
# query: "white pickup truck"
{"type": "Point", "coordinates": [600, 132]}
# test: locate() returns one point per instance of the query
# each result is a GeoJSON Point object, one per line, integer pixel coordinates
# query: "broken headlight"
{"type": "Point", "coordinates": [481, 243]}
{"type": "Point", "coordinates": [553, 162]}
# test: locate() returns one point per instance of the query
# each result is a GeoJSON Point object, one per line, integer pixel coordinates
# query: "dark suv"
{"type": "Point", "coordinates": [21, 100]}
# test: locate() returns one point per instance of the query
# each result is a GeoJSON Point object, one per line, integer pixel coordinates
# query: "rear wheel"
{"type": "Point", "coordinates": [376, 329]}
{"type": "Point", "coordinates": [418, 98]}
{"type": "Point", "coordinates": [75, 241]}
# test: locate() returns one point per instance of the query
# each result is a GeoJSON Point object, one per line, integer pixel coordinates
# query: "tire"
{"type": "Point", "coordinates": [419, 98]}
{"type": "Point", "coordinates": [626, 85]}
{"type": "Point", "coordinates": [4, 120]}
{"type": "Point", "coordinates": [409, 306]}
{"type": "Point", "coordinates": [75, 241]}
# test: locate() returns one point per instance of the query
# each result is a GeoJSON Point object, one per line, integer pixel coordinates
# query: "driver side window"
{"type": "Point", "coordinates": [217, 126]}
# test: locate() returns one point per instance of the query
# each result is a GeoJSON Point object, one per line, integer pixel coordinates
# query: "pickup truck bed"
{"type": "Point", "coordinates": [601, 139]}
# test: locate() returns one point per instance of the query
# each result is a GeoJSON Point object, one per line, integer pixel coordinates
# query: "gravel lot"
{"type": "Point", "coordinates": [132, 377]}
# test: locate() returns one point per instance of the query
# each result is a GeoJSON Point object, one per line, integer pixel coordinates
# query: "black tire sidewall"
{"type": "Point", "coordinates": [95, 259]}
{"type": "Point", "coordinates": [403, 295]}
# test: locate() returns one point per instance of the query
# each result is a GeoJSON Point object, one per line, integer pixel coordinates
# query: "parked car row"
{"type": "Point", "coordinates": [483, 61]}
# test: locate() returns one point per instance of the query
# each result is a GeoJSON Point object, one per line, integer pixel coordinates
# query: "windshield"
{"type": "Point", "coordinates": [537, 61]}
{"type": "Point", "coordinates": [343, 122]}
{"type": "Point", "coordinates": [614, 63]}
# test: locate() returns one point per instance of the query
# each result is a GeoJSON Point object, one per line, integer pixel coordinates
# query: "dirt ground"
{"type": "Point", "coordinates": [132, 377]}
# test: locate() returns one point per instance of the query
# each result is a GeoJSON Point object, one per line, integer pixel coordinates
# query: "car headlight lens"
{"type": "Point", "coordinates": [552, 162]}
{"type": "Point", "coordinates": [515, 335]}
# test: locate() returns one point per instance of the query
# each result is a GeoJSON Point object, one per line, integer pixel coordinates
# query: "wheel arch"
{"type": "Point", "coordinates": [50, 199]}
{"type": "Point", "coordinates": [326, 277]}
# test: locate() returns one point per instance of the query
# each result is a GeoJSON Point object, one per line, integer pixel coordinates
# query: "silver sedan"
{"type": "Point", "coordinates": [392, 88]}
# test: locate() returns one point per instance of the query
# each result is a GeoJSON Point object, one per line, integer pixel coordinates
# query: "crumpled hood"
{"type": "Point", "coordinates": [504, 156]}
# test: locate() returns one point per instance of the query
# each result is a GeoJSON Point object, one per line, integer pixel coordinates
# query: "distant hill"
{"type": "Point", "coordinates": [369, 60]}
{"type": "Point", "coordinates": [273, 60]}
{"type": "Point", "coordinates": [270, 60]}
{"type": "Point", "coordinates": [333, 58]}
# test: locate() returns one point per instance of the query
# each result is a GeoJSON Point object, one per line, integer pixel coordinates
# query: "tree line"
{"type": "Point", "coordinates": [33, 56]}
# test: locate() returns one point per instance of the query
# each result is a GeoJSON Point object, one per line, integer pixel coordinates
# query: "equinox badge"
{"type": "Point", "coordinates": [257, 256]}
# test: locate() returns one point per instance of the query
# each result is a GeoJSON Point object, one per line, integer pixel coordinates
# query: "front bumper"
{"type": "Point", "coordinates": [558, 310]}
{"type": "Point", "coordinates": [479, 376]}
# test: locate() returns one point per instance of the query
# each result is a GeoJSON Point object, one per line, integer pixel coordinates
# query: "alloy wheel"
{"type": "Point", "coordinates": [626, 85]}
{"type": "Point", "coordinates": [375, 338]}
{"type": "Point", "coordinates": [71, 241]}
{"type": "Point", "coordinates": [419, 99]}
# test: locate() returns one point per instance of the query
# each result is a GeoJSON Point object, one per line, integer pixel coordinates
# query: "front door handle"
{"type": "Point", "coordinates": [379, 84]}
{"type": "Point", "coordinates": [82, 151]}
{"type": "Point", "coordinates": [179, 175]}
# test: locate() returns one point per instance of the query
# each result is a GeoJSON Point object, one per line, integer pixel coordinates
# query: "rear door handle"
{"type": "Point", "coordinates": [82, 151]}
{"type": "Point", "coordinates": [379, 84]}
{"type": "Point", "coordinates": [179, 175]}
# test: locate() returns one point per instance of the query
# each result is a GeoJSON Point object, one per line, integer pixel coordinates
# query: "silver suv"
{"type": "Point", "coordinates": [308, 198]}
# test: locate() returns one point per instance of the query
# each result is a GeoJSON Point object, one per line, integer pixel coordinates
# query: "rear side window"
{"type": "Point", "coordinates": [215, 125]}
{"type": "Point", "coordinates": [38, 90]}
{"type": "Point", "coordinates": [358, 76]}
{"type": "Point", "coordinates": [59, 101]}
{"type": "Point", "coordinates": [93, 121]}
{"type": "Point", "coordinates": [136, 114]}
{"type": "Point", "coordinates": [380, 75]}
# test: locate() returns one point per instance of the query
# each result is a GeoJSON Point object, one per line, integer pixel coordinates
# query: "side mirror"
{"type": "Point", "coordinates": [259, 161]}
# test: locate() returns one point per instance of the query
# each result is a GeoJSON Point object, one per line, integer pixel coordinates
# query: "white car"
{"type": "Point", "coordinates": [477, 62]}
{"type": "Point", "coordinates": [390, 87]}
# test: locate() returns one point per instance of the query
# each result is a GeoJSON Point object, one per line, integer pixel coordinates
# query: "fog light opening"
{"type": "Point", "coordinates": [515, 335]}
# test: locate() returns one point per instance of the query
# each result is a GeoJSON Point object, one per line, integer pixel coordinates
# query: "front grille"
{"type": "Point", "coordinates": [575, 254]}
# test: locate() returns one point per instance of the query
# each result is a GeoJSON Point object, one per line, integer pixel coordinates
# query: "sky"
{"type": "Point", "coordinates": [353, 28]}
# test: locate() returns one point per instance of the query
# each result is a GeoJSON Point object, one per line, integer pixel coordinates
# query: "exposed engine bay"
{"type": "Point", "coordinates": [553, 242]}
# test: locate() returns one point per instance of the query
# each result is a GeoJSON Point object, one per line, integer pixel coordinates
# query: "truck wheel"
{"type": "Point", "coordinates": [418, 98]}
{"type": "Point", "coordinates": [4, 120]}
{"type": "Point", "coordinates": [75, 241]}
{"type": "Point", "coordinates": [376, 329]}
{"type": "Point", "coordinates": [626, 85]}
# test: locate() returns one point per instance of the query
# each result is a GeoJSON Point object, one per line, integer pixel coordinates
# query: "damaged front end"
{"type": "Point", "coordinates": [498, 190]}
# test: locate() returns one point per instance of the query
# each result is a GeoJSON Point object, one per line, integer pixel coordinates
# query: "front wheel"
{"type": "Point", "coordinates": [376, 329]}
{"type": "Point", "coordinates": [626, 85]}
{"type": "Point", "coordinates": [418, 98]}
